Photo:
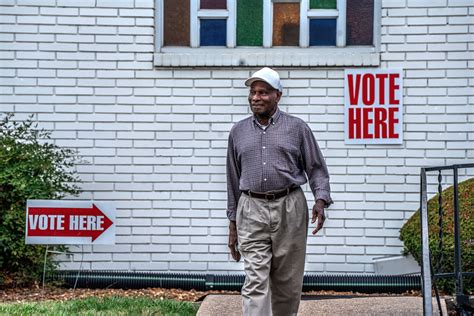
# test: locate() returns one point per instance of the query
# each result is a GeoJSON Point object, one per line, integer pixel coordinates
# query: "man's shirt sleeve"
{"type": "Point", "coordinates": [315, 167]}
{"type": "Point", "coordinates": [233, 180]}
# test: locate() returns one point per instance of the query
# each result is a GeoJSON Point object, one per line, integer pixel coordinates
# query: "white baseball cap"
{"type": "Point", "coordinates": [268, 75]}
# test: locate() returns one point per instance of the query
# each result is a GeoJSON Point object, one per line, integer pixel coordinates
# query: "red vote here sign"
{"type": "Point", "coordinates": [373, 100]}
{"type": "Point", "coordinates": [69, 222]}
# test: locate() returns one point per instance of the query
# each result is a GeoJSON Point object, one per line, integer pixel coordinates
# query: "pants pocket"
{"type": "Point", "coordinates": [241, 216]}
{"type": "Point", "coordinates": [300, 209]}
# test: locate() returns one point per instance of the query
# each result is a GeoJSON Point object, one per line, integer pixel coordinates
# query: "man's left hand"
{"type": "Point", "coordinates": [318, 213]}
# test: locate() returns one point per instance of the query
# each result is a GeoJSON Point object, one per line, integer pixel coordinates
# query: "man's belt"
{"type": "Point", "coordinates": [270, 195]}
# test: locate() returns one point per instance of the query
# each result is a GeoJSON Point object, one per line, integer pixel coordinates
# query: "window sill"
{"type": "Point", "coordinates": [276, 56]}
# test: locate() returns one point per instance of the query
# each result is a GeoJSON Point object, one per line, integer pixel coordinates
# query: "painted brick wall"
{"type": "Point", "coordinates": [155, 139]}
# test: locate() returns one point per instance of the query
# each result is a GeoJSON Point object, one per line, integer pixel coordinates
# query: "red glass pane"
{"type": "Point", "coordinates": [213, 4]}
{"type": "Point", "coordinates": [360, 22]}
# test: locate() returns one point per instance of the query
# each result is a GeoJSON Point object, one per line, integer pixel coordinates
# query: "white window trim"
{"type": "Point", "coordinates": [212, 14]}
{"type": "Point", "coordinates": [377, 24]}
{"type": "Point", "coordinates": [159, 25]}
{"type": "Point", "coordinates": [267, 23]}
{"type": "Point", "coordinates": [304, 24]}
{"type": "Point", "coordinates": [339, 14]}
{"type": "Point", "coordinates": [232, 56]}
{"type": "Point", "coordinates": [194, 24]}
{"type": "Point", "coordinates": [323, 13]}
{"type": "Point", "coordinates": [231, 24]}
{"type": "Point", "coordinates": [341, 24]}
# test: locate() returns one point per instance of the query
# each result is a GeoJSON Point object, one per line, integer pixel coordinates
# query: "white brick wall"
{"type": "Point", "coordinates": [155, 138]}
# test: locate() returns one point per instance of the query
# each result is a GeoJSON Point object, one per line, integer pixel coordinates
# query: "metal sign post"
{"type": "Point", "coordinates": [61, 222]}
{"type": "Point", "coordinates": [425, 268]}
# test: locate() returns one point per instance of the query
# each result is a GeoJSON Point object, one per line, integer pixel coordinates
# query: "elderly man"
{"type": "Point", "coordinates": [267, 158]}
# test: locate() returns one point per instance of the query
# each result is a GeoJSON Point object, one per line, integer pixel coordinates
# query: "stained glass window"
{"type": "Point", "coordinates": [286, 24]}
{"type": "Point", "coordinates": [249, 23]}
{"type": "Point", "coordinates": [322, 32]}
{"type": "Point", "coordinates": [268, 23]}
{"type": "Point", "coordinates": [359, 23]}
{"type": "Point", "coordinates": [213, 32]}
{"type": "Point", "coordinates": [213, 4]}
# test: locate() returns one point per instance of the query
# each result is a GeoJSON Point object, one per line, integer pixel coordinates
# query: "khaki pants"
{"type": "Point", "coordinates": [272, 240]}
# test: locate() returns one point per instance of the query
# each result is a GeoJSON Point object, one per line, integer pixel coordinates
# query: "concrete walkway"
{"type": "Point", "coordinates": [230, 305]}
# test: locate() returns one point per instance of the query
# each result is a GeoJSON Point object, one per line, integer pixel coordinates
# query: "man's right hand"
{"type": "Point", "coordinates": [233, 241]}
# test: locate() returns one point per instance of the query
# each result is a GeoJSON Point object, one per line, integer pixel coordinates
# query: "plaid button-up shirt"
{"type": "Point", "coordinates": [273, 158]}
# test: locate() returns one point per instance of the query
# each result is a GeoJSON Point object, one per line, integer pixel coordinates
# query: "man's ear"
{"type": "Point", "coordinates": [279, 94]}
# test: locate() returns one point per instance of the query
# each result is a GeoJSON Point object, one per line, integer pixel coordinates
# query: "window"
{"type": "Point", "coordinates": [267, 32]}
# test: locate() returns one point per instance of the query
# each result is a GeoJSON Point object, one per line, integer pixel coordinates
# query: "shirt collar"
{"type": "Point", "coordinates": [273, 119]}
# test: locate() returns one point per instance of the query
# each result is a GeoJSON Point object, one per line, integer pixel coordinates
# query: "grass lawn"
{"type": "Point", "coordinates": [114, 305]}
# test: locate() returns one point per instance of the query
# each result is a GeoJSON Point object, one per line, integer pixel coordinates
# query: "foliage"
{"type": "Point", "coordinates": [31, 167]}
{"type": "Point", "coordinates": [410, 234]}
{"type": "Point", "coordinates": [114, 305]}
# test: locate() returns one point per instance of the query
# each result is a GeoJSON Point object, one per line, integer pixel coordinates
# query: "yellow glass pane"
{"type": "Point", "coordinates": [286, 24]}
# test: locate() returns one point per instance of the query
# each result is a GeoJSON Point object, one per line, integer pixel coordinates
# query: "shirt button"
{"type": "Point", "coordinates": [265, 179]}
{"type": "Point", "coordinates": [264, 132]}
{"type": "Point", "coordinates": [263, 147]}
{"type": "Point", "coordinates": [264, 162]}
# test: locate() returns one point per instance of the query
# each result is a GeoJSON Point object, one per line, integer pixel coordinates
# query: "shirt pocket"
{"type": "Point", "coordinates": [288, 157]}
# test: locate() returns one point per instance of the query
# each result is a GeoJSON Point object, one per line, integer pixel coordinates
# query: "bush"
{"type": "Point", "coordinates": [410, 234]}
{"type": "Point", "coordinates": [30, 168]}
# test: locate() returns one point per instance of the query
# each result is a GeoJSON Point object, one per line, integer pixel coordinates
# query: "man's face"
{"type": "Point", "coordinates": [263, 99]}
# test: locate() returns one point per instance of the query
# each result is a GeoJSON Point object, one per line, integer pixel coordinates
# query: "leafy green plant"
{"type": "Point", "coordinates": [31, 167]}
{"type": "Point", "coordinates": [410, 234]}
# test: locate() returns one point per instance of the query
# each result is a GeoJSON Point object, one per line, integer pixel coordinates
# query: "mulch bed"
{"type": "Point", "coordinates": [62, 294]}
{"type": "Point", "coordinates": [33, 294]}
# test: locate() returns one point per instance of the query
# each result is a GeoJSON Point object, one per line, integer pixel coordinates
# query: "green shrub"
{"type": "Point", "coordinates": [410, 234]}
{"type": "Point", "coordinates": [30, 168]}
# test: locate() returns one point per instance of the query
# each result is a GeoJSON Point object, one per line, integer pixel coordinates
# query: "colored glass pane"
{"type": "Point", "coordinates": [249, 22]}
{"type": "Point", "coordinates": [213, 4]}
{"type": "Point", "coordinates": [322, 32]}
{"type": "Point", "coordinates": [286, 24]}
{"type": "Point", "coordinates": [323, 4]}
{"type": "Point", "coordinates": [213, 32]}
{"type": "Point", "coordinates": [360, 22]}
{"type": "Point", "coordinates": [176, 23]}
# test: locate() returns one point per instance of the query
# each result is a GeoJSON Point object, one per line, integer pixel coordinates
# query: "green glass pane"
{"type": "Point", "coordinates": [249, 22]}
{"type": "Point", "coordinates": [322, 4]}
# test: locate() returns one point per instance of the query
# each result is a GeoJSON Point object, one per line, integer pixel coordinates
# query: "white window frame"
{"type": "Point", "coordinates": [302, 56]}
{"type": "Point", "coordinates": [198, 14]}
{"type": "Point", "coordinates": [339, 14]}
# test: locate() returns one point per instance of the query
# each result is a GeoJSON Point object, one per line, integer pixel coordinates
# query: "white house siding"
{"type": "Point", "coordinates": [155, 139]}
